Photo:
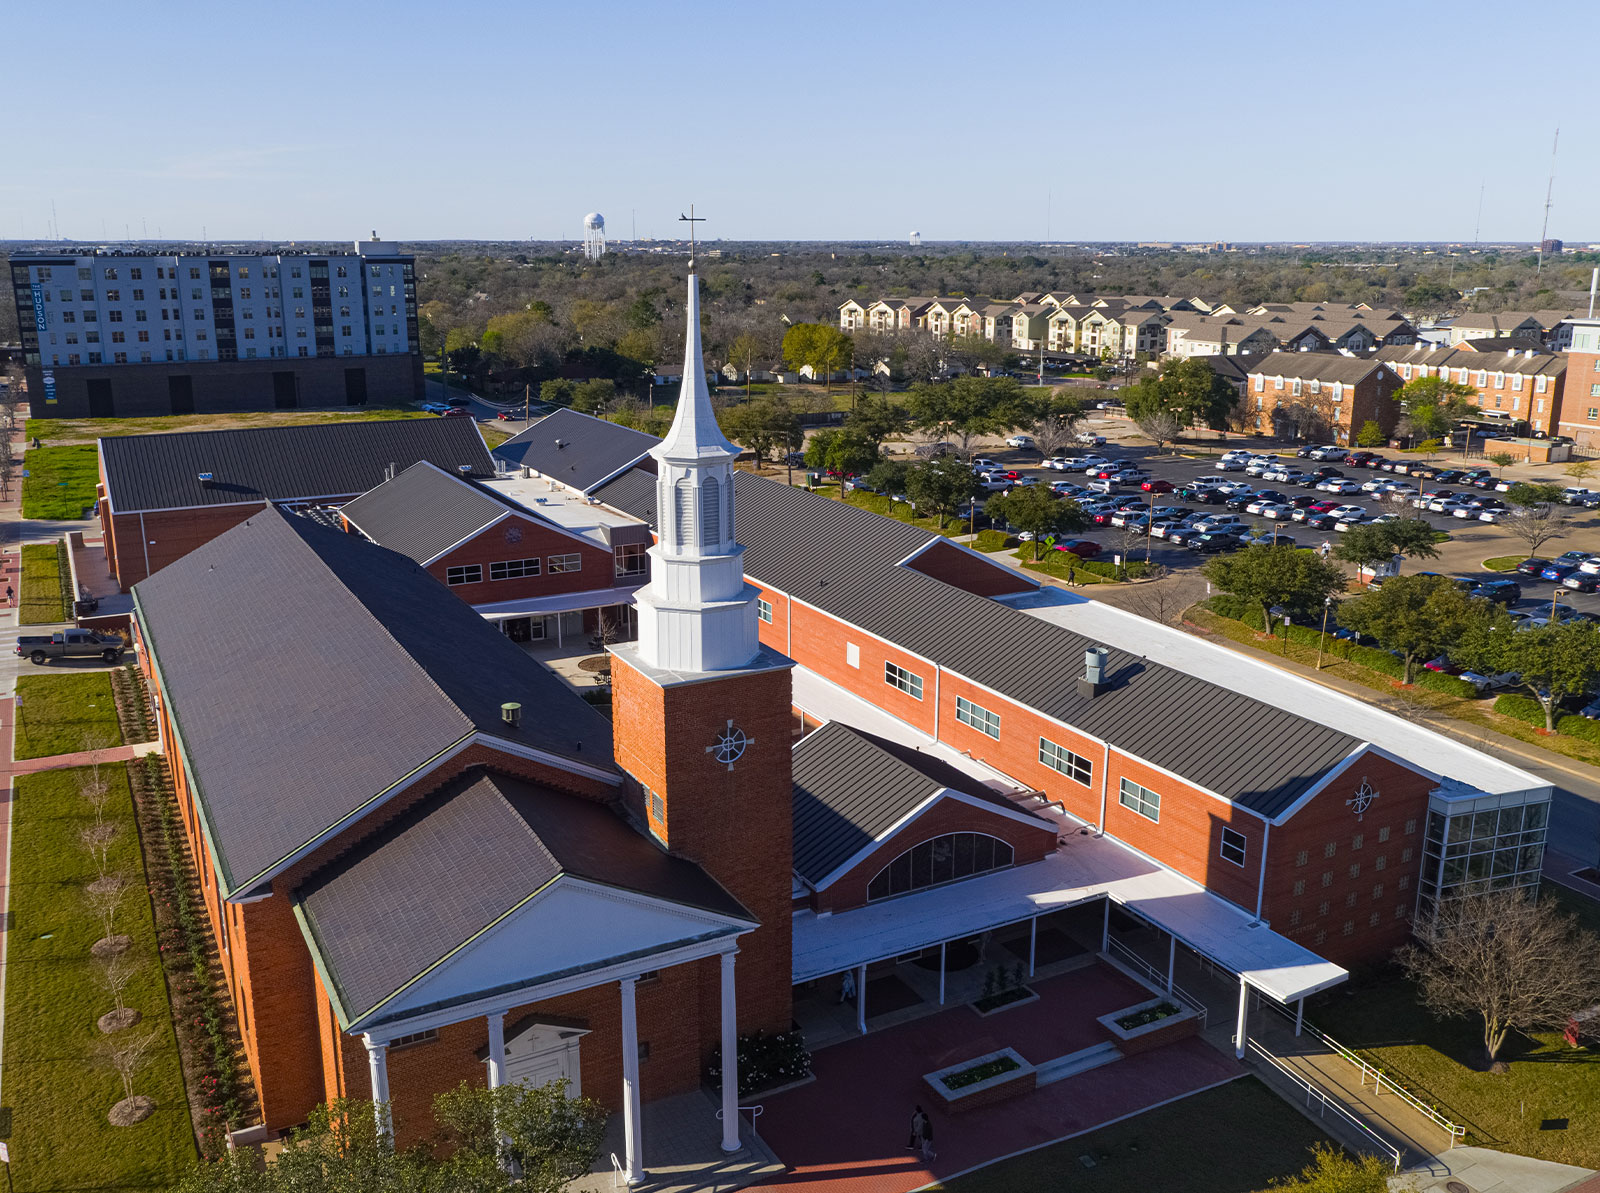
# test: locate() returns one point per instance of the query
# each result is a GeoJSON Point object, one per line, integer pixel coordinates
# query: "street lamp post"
{"type": "Point", "coordinates": [1286, 624]}
{"type": "Point", "coordinates": [1327, 604]}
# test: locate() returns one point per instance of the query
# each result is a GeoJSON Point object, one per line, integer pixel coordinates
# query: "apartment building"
{"type": "Point", "coordinates": [109, 334]}
{"type": "Point", "coordinates": [1550, 330]}
{"type": "Point", "coordinates": [1314, 395]}
{"type": "Point", "coordinates": [1579, 415]}
{"type": "Point", "coordinates": [1518, 389]}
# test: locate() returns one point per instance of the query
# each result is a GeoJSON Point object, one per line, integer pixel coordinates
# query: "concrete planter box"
{"type": "Point", "coordinates": [1010, 1084]}
{"type": "Point", "coordinates": [1150, 1035]}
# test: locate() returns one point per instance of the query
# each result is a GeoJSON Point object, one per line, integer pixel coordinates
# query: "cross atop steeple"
{"type": "Point", "coordinates": [691, 219]}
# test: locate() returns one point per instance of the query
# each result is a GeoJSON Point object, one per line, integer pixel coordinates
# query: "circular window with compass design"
{"type": "Point", "coordinates": [731, 743]}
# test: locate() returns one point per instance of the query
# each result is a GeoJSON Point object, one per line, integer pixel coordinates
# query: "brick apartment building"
{"type": "Point", "coordinates": [1579, 418]}
{"type": "Point", "coordinates": [161, 496]}
{"type": "Point", "coordinates": [1313, 395]}
{"type": "Point", "coordinates": [1515, 388]}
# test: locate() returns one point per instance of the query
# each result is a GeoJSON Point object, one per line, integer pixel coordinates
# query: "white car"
{"type": "Point", "coordinates": [1057, 463]}
{"type": "Point", "coordinates": [1232, 487]}
{"type": "Point", "coordinates": [1259, 465]}
{"type": "Point", "coordinates": [1092, 463]}
{"type": "Point", "coordinates": [992, 482]}
{"type": "Point", "coordinates": [1089, 439]}
{"type": "Point", "coordinates": [1376, 486]}
{"type": "Point", "coordinates": [1227, 465]}
{"type": "Point", "coordinates": [1350, 523]}
{"type": "Point", "coordinates": [1490, 683]}
{"type": "Point", "coordinates": [1023, 481]}
{"type": "Point", "coordinates": [1276, 510]}
{"type": "Point", "coordinates": [983, 464]}
{"type": "Point", "coordinates": [1490, 515]}
{"type": "Point", "coordinates": [1383, 519]}
{"type": "Point", "coordinates": [1020, 441]}
{"type": "Point", "coordinates": [1348, 512]}
{"type": "Point", "coordinates": [1590, 566]}
{"type": "Point", "coordinates": [1453, 506]}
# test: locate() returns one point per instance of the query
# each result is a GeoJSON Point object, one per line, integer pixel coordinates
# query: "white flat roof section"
{"type": "Point", "coordinates": [1239, 672]}
{"type": "Point", "coordinates": [553, 500]}
{"type": "Point", "coordinates": [1084, 869]}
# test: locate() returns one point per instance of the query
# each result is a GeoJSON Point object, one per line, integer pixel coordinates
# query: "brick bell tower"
{"type": "Point", "coordinates": [701, 710]}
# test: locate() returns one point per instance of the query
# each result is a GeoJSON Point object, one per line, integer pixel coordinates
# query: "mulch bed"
{"type": "Point", "coordinates": [133, 705]}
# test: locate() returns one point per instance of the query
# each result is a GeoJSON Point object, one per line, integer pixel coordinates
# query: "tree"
{"type": "Point", "coordinates": [821, 346]}
{"type": "Point", "coordinates": [941, 486]}
{"type": "Point", "coordinates": [97, 839]}
{"type": "Point", "coordinates": [1431, 406]}
{"type": "Point", "coordinates": [1371, 545]}
{"type": "Point", "coordinates": [1271, 575]}
{"type": "Point", "coordinates": [1580, 470]}
{"type": "Point", "coordinates": [1504, 959]}
{"type": "Point", "coordinates": [1417, 616]}
{"type": "Point", "coordinates": [764, 425]}
{"type": "Point", "coordinates": [1552, 661]}
{"type": "Point", "coordinates": [127, 1052]}
{"type": "Point", "coordinates": [877, 419]}
{"type": "Point", "coordinates": [840, 449]}
{"type": "Point", "coordinates": [1502, 461]}
{"type": "Point", "coordinates": [114, 973]}
{"type": "Point", "coordinates": [1536, 516]}
{"type": "Point", "coordinates": [1370, 435]}
{"type": "Point", "coordinates": [104, 897]}
{"type": "Point", "coordinates": [1188, 389]}
{"type": "Point", "coordinates": [889, 477]}
{"type": "Point", "coordinates": [1035, 509]}
{"type": "Point", "coordinates": [1332, 1171]}
{"type": "Point", "coordinates": [1160, 426]}
{"type": "Point", "coordinates": [552, 1138]}
{"type": "Point", "coordinates": [966, 407]}
{"type": "Point", "coordinates": [1052, 419]}
{"type": "Point", "coordinates": [743, 352]}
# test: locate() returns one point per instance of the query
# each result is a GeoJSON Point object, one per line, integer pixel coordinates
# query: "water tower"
{"type": "Point", "coordinates": [594, 235]}
{"type": "Point", "coordinates": [916, 240]}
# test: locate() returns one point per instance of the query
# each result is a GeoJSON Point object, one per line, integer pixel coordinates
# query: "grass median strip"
{"type": "Point", "coordinates": [61, 481]}
{"type": "Point", "coordinates": [43, 602]}
{"type": "Point", "coordinates": [84, 431]}
{"type": "Point", "coordinates": [65, 714]}
{"type": "Point", "coordinates": [56, 1082]}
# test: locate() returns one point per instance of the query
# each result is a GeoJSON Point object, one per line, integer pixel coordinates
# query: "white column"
{"type": "Point", "coordinates": [861, 999]}
{"type": "Point", "coordinates": [1299, 1015]}
{"type": "Point", "coordinates": [632, 1127]}
{"type": "Point", "coordinates": [1033, 943]}
{"type": "Point", "coordinates": [1172, 959]}
{"type": "Point", "coordinates": [378, 1064]}
{"type": "Point", "coordinates": [1239, 1028]}
{"type": "Point", "coordinates": [730, 1059]}
{"type": "Point", "coordinates": [941, 973]}
{"type": "Point", "coordinates": [497, 1049]}
{"type": "Point", "coordinates": [1105, 931]}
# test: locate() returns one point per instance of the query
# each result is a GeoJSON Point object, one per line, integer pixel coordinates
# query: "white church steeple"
{"type": "Point", "coordinates": [697, 613]}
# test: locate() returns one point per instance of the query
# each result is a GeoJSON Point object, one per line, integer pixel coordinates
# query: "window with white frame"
{"type": "Point", "coordinates": [764, 610]}
{"type": "Point", "coordinates": [514, 569]}
{"type": "Point", "coordinates": [1233, 846]}
{"type": "Point", "coordinates": [908, 682]}
{"type": "Point", "coordinates": [1139, 799]}
{"type": "Point", "coordinates": [566, 563]}
{"type": "Point", "coordinates": [852, 654]}
{"type": "Point", "coordinates": [978, 717]}
{"type": "Point", "coordinates": [1058, 758]}
{"type": "Point", "coordinates": [467, 573]}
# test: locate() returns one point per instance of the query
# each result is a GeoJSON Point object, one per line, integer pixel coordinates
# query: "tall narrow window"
{"type": "Point", "coordinates": [683, 508]}
{"type": "Point", "coordinates": [710, 512]}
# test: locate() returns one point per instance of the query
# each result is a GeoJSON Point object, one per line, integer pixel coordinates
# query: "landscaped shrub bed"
{"type": "Point", "coordinates": [1165, 1010]}
{"type": "Point", "coordinates": [765, 1062]}
{"type": "Point", "coordinates": [1529, 711]}
{"type": "Point", "coordinates": [993, 540]}
{"type": "Point", "coordinates": [989, 1068]}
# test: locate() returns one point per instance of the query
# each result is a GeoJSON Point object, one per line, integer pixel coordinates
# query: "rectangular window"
{"type": "Point", "coordinates": [852, 655]}
{"type": "Point", "coordinates": [416, 1037]}
{"type": "Point", "coordinates": [764, 610]}
{"type": "Point", "coordinates": [1299, 887]}
{"type": "Point", "coordinates": [898, 677]}
{"type": "Point", "coordinates": [1233, 847]}
{"type": "Point", "coordinates": [1300, 858]}
{"type": "Point", "coordinates": [513, 569]}
{"type": "Point", "coordinates": [469, 573]}
{"type": "Point", "coordinates": [566, 563]}
{"type": "Point", "coordinates": [978, 717]}
{"type": "Point", "coordinates": [1140, 799]}
{"type": "Point", "coordinates": [1059, 758]}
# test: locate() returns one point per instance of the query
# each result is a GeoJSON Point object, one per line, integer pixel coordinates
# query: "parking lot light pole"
{"type": "Point", "coordinates": [1286, 624]}
{"type": "Point", "coordinates": [1327, 604]}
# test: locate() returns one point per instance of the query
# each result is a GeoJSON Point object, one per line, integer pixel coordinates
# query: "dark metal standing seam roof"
{"type": "Point", "coordinates": [423, 512]}
{"type": "Point", "coordinates": [412, 894]}
{"type": "Point", "coordinates": [307, 671]}
{"type": "Point", "coordinates": [844, 560]}
{"type": "Point", "coordinates": [333, 459]}
{"type": "Point", "coordinates": [575, 449]}
{"type": "Point", "coordinates": [851, 787]}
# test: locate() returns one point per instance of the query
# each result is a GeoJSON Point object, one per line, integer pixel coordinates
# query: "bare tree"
{"type": "Point", "coordinates": [97, 839]}
{"type": "Point", "coordinates": [127, 1053]}
{"type": "Point", "coordinates": [1162, 426]}
{"type": "Point", "coordinates": [104, 896]}
{"type": "Point", "coordinates": [1505, 959]}
{"type": "Point", "coordinates": [1537, 525]}
{"type": "Point", "coordinates": [114, 974]}
{"type": "Point", "coordinates": [1165, 599]}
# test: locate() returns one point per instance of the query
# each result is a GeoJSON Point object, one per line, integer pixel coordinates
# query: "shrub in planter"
{"type": "Point", "coordinates": [765, 1061]}
{"type": "Point", "coordinates": [994, 540]}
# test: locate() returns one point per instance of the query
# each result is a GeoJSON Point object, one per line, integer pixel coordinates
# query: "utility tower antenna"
{"type": "Point", "coordinates": [1549, 190]}
{"type": "Point", "coordinates": [1478, 227]}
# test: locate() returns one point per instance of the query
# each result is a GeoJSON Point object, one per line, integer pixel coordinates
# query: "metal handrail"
{"type": "Point", "coordinates": [1313, 1092]}
{"type": "Point", "coordinates": [1455, 1130]}
{"type": "Point", "coordinates": [619, 1175]}
{"type": "Point", "coordinates": [1160, 979]}
{"type": "Point", "coordinates": [753, 1111]}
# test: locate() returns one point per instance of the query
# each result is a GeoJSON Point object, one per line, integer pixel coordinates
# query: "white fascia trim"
{"type": "Point", "coordinates": [493, 522]}
{"type": "Point", "coordinates": [1327, 779]}
{"type": "Point", "coordinates": [607, 479]}
{"type": "Point", "coordinates": [552, 760]}
{"type": "Point", "coordinates": [217, 505]}
{"type": "Point", "coordinates": [978, 555]}
{"type": "Point", "coordinates": [100, 472]}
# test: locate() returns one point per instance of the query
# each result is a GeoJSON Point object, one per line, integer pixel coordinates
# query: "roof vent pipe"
{"type": "Point", "coordinates": [1094, 672]}
{"type": "Point", "coordinates": [511, 713]}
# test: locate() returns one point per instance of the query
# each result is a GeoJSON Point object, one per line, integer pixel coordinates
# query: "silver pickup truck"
{"type": "Point", "coordinates": [71, 644]}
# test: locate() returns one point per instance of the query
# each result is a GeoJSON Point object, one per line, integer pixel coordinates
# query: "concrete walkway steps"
{"type": "Point", "coordinates": [1077, 1062]}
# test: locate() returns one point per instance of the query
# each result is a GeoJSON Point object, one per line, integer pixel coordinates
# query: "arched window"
{"type": "Point", "coordinates": [710, 512]}
{"type": "Point", "coordinates": [683, 512]}
{"type": "Point", "coordinates": [943, 859]}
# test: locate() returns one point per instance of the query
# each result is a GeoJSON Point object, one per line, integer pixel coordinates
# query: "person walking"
{"type": "Point", "coordinates": [927, 1139]}
{"type": "Point", "coordinates": [1325, 548]}
{"type": "Point", "coordinates": [847, 987]}
{"type": "Point", "coordinates": [1072, 574]}
{"type": "Point", "coordinates": [914, 1140]}
{"type": "Point", "coordinates": [10, 595]}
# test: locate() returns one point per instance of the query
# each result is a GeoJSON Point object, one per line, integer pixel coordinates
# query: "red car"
{"type": "Point", "coordinates": [507, 416]}
{"type": "Point", "coordinates": [1321, 507]}
{"type": "Point", "coordinates": [457, 412]}
{"type": "Point", "coordinates": [1012, 476]}
{"type": "Point", "coordinates": [1157, 486]}
{"type": "Point", "coordinates": [1082, 548]}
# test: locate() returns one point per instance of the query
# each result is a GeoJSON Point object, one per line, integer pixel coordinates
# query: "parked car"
{"type": "Point", "coordinates": [1210, 542]}
{"type": "Point", "coordinates": [1156, 485]}
{"type": "Point", "coordinates": [1490, 683]}
{"type": "Point", "coordinates": [70, 644]}
{"type": "Point", "coordinates": [434, 407]}
{"type": "Point", "coordinates": [1580, 582]}
{"type": "Point", "coordinates": [1532, 566]}
{"type": "Point", "coordinates": [457, 412]}
{"type": "Point", "coordinates": [1502, 592]}
{"type": "Point", "coordinates": [1266, 538]}
{"type": "Point", "coordinates": [1558, 571]}
{"type": "Point", "coordinates": [1089, 439]}
{"type": "Point", "coordinates": [1020, 441]}
{"type": "Point", "coordinates": [1082, 548]}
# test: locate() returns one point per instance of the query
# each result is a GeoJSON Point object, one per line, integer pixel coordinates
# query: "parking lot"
{"type": "Point", "coordinates": [1471, 541]}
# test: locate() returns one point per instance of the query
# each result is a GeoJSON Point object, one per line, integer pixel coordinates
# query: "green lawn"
{"type": "Point", "coordinates": [1378, 1016]}
{"type": "Point", "coordinates": [62, 714]}
{"type": "Point", "coordinates": [86, 430]}
{"type": "Point", "coordinates": [61, 480]}
{"type": "Point", "coordinates": [494, 436]}
{"type": "Point", "coordinates": [57, 1092]}
{"type": "Point", "coordinates": [898, 510]}
{"type": "Point", "coordinates": [1233, 1139]}
{"type": "Point", "coordinates": [1503, 563]}
{"type": "Point", "coordinates": [42, 601]}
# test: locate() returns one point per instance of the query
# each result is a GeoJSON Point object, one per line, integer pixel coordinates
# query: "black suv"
{"type": "Point", "coordinates": [1501, 592]}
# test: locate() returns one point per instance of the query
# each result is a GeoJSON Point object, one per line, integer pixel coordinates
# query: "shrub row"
{"type": "Point", "coordinates": [1529, 711]}
{"type": "Point", "coordinates": [764, 1062]}
{"type": "Point", "coordinates": [994, 540]}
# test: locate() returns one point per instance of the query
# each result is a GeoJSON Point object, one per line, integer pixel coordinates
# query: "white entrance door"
{"type": "Point", "coordinates": [543, 1054]}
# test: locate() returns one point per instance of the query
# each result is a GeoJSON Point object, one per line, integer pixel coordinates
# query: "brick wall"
{"type": "Point", "coordinates": [1371, 399]}
{"type": "Point", "coordinates": [166, 536]}
{"type": "Point", "coordinates": [821, 643]}
{"type": "Point", "coordinates": [737, 824]}
{"type": "Point", "coordinates": [1579, 397]}
{"type": "Point", "coordinates": [962, 569]}
{"type": "Point", "coordinates": [1384, 847]}
{"type": "Point", "coordinates": [1029, 844]}
{"type": "Point", "coordinates": [537, 541]}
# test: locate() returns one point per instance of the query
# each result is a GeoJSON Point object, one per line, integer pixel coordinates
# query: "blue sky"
{"type": "Point", "coordinates": [1159, 121]}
